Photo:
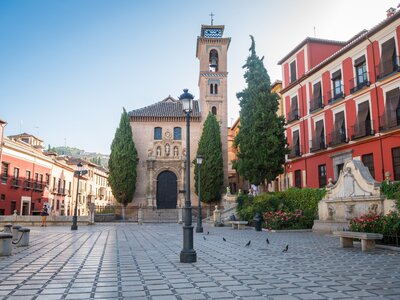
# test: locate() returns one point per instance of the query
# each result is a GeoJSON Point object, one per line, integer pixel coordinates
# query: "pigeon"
{"type": "Point", "coordinates": [204, 238]}
{"type": "Point", "coordinates": [224, 239]}
{"type": "Point", "coordinates": [286, 248]}
{"type": "Point", "coordinates": [248, 244]}
{"type": "Point", "coordinates": [208, 232]}
{"type": "Point", "coordinates": [267, 241]}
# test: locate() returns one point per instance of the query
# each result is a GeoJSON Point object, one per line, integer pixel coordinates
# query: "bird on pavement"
{"type": "Point", "coordinates": [248, 244]}
{"type": "Point", "coordinates": [267, 241]}
{"type": "Point", "coordinates": [208, 232]}
{"type": "Point", "coordinates": [224, 239]}
{"type": "Point", "coordinates": [204, 238]}
{"type": "Point", "coordinates": [286, 248]}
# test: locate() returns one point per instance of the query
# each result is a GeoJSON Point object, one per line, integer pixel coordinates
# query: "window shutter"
{"type": "Point", "coordinates": [359, 61]}
{"type": "Point", "coordinates": [363, 109]}
{"type": "Point", "coordinates": [317, 91]}
{"type": "Point", "coordinates": [293, 71]}
{"type": "Point", "coordinates": [337, 75]}
{"type": "Point", "coordinates": [339, 120]}
{"type": "Point", "coordinates": [388, 51]}
{"type": "Point", "coordinates": [294, 107]}
{"type": "Point", "coordinates": [392, 103]}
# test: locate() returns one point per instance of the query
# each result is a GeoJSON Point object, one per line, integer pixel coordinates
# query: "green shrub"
{"type": "Point", "coordinates": [391, 190]}
{"type": "Point", "coordinates": [290, 202]}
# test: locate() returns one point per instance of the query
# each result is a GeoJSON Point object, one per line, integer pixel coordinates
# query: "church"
{"type": "Point", "coordinates": [159, 130]}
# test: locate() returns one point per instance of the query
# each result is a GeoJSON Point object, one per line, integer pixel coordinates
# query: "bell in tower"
{"type": "Point", "coordinates": [213, 60]}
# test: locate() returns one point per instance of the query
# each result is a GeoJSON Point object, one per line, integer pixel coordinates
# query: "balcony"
{"type": "Point", "coordinates": [316, 145]}
{"type": "Point", "coordinates": [389, 120]}
{"type": "Point", "coordinates": [38, 187]}
{"type": "Point", "coordinates": [360, 82]}
{"type": "Point", "coordinates": [295, 152]}
{"type": "Point", "coordinates": [27, 184]}
{"type": "Point", "coordinates": [16, 182]}
{"type": "Point", "coordinates": [337, 137]}
{"type": "Point", "coordinates": [336, 95]}
{"type": "Point", "coordinates": [293, 116]}
{"type": "Point", "coordinates": [387, 67]}
{"type": "Point", "coordinates": [361, 130]}
{"type": "Point", "coordinates": [4, 178]}
{"type": "Point", "coordinates": [316, 104]}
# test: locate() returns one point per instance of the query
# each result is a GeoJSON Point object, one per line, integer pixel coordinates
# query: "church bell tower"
{"type": "Point", "coordinates": [212, 50]}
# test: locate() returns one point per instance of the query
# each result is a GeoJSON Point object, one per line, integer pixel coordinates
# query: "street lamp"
{"type": "Point", "coordinates": [188, 255]}
{"type": "Point", "coordinates": [199, 227]}
{"type": "Point", "coordinates": [78, 173]}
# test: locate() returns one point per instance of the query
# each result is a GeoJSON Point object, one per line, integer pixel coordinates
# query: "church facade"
{"type": "Point", "coordinates": [159, 130]}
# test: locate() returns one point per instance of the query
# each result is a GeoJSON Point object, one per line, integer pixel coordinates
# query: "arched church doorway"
{"type": "Point", "coordinates": [167, 190]}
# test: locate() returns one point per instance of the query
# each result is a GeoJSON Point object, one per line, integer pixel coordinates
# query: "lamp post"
{"type": "Point", "coordinates": [78, 172]}
{"type": "Point", "coordinates": [188, 255]}
{"type": "Point", "coordinates": [199, 227]}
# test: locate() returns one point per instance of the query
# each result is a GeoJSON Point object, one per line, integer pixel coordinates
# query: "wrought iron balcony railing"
{"type": "Point", "coordinates": [336, 95]}
{"type": "Point", "coordinates": [337, 137]}
{"type": "Point", "coordinates": [316, 104]}
{"type": "Point", "coordinates": [361, 130]}
{"type": "Point", "coordinates": [387, 67]}
{"type": "Point", "coordinates": [293, 116]}
{"type": "Point", "coordinates": [359, 82]}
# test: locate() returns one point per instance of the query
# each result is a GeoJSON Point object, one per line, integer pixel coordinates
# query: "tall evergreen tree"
{"type": "Point", "coordinates": [122, 163]}
{"type": "Point", "coordinates": [261, 141]}
{"type": "Point", "coordinates": [212, 168]}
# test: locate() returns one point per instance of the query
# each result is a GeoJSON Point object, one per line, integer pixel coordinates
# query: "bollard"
{"type": "Point", "coordinates": [5, 244]}
{"type": "Point", "coordinates": [257, 221]}
{"type": "Point", "coordinates": [7, 228]}
{"type": "Point", "coordinates": [23, 237]}
{"type": "Point", "coordinates": [15, 229]}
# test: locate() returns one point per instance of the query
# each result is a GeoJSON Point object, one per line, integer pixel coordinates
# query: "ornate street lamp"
{"type": "Point", "coordinates": [78, 173]}
{"type": "Point", "coordinates": [188, 255]}
{"type": "Point", "coordinates": [199, 227]}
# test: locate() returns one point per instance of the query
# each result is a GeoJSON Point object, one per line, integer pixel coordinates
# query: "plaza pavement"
{"type": "Point", "coordinates": [131, 261]}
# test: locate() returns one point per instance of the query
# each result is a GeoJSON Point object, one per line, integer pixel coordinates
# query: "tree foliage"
{"type": "Point", "coordinates": [261, 140]}
{"type": "Point", "coordinates": [123, 162]}
{"type": "Point", "coordinates": [212, 172]}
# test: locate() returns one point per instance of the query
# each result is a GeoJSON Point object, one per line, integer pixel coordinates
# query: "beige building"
{"type": "Point", "coordinates": [159, 130]}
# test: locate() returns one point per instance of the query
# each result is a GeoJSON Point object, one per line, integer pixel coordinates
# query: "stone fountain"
{"type": "Point", "coordinates": [354, 194]}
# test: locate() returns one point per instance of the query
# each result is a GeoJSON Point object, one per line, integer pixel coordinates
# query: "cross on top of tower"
{"type": "Point", "coordinates": [212, 19]}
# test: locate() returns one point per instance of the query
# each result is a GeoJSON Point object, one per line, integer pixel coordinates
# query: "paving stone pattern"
{"type": "Point", "coordinates": [130, 261]}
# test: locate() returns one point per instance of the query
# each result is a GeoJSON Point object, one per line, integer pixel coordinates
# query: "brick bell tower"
{"type": "Point", "coordinates": [212, 50]}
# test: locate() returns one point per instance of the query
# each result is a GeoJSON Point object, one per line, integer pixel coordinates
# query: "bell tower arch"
{"type": "Point", "coordinates": [212, 50]}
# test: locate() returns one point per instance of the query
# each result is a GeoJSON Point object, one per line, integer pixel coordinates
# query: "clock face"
{"type": "Point", "coordinates": [213, 33]}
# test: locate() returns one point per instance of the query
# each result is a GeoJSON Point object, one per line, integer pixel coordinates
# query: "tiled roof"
{"type": "Point", "coordinates": [169, 107]}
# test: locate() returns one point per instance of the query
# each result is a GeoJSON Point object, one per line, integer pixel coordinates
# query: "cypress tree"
{"type": "Point", "coordinates": [212, 172]}
{"type": "Point", "coordinates": [122, 163]}
{"type": "Point", "coordinates": [261, 141]}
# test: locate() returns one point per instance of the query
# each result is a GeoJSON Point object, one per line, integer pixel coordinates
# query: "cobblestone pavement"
{"type": "Point", "coordinates": [130, 261]}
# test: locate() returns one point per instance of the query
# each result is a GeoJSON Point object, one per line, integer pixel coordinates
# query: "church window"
{"type": "Point", "coordinates": [213, 60]}
{"type": "Point", "coordinates": [211, 89]}
{"type": "Point", "coordinates": [214, 110]}
{"type": "Point", "coordinates": [177, 133]}
{"type": "Point", "coordinates": [158, 133]}
{"type": "Point", "coordinates": [215, 88]}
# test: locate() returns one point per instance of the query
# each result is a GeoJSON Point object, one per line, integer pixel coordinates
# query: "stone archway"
{"type": "Point", "coordinates": [167, 190]}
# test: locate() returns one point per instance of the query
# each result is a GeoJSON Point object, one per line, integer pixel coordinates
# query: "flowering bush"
{"type": "Point", "coordinates": [286, 220]}
{"type": "Point", "coordinates": [371, 222]}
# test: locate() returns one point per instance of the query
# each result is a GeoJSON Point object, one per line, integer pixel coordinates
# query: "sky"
{"type": "Point", "coordinates": [68, 68]}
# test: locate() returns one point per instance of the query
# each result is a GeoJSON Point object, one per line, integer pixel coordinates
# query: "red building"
{"type": "Point", "coordinates": [25, 176]}
{"type": "Point", "coordinates": [341, 102]}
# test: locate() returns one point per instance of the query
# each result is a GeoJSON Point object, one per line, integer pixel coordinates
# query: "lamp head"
{"type": "Point", "coordinates": [187, 101]}
{"type": "Point", "coordinates": [199, 159]}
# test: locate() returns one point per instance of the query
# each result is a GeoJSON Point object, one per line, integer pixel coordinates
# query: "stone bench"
{"type": "Point", "coordinates": [238, 224]}
{"type": "Point", "coordinates": [367, 239]}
